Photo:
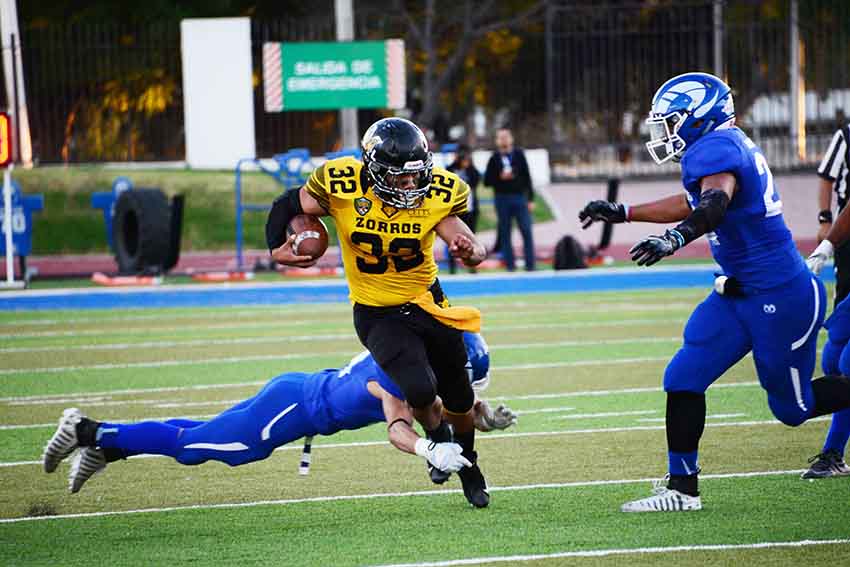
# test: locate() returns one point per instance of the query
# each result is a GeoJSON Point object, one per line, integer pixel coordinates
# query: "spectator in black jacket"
{"type": "Point", "coordinates": [507, 173]}
{"type": "Point", "coordinates": [462, 166]}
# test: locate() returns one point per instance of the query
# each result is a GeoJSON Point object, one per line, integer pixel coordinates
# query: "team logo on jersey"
{"type": "Point", "coordinates": [769, 308]}
{"type": "Point", "coordinates": [362, 205]}
{"type": "Point", "coordinates": [389, 210]}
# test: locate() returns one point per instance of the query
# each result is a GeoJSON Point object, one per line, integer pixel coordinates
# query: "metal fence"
{"type": "Point", "coordinates": [604, 64]}
{"type": "Point", "coordinates": [104, 93]}
{"type": "Point", "coordinates": [579, 83]}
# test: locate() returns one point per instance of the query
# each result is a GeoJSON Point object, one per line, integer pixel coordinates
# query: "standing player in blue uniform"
{"type": "Point", "coordinates": [835, 358]}
{"type": "Point", "coordinates": [766, 302]}
{"type": "Point", "coordinates": [290, 406]}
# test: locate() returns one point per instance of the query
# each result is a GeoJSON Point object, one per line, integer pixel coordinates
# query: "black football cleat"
{"type": "Point", "coordinates": [474, 485]}
{"type": "Point", "coordinates": [438, 476]}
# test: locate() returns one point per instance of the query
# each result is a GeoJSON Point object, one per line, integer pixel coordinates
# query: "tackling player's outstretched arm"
{"type": "Point", "coordinates": [292, 203]}
{"type": "Point", "coordinates": [461, 240]}
{"type": "Point", "coordinates": [717, 190]}
{"type": "Point", "coordinates": [444, 456]}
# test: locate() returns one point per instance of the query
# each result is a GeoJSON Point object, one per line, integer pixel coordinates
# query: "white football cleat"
{"type": "Point", "coordinates": [64, 440]}
{"type": "Point", "coordinates": [664, 499]}
{"type": "Point", "coordinates": [84, 465]}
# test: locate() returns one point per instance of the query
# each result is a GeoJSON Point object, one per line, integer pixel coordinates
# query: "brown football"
{"type": "Point", "coordinates": [312, 235]}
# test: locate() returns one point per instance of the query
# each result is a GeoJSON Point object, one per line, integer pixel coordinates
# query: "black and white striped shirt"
{"type": "Point", "coordinates": [835, 164]}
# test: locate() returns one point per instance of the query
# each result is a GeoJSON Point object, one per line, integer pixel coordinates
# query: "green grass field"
{"type": "Point", "coordinates": [582, 370]}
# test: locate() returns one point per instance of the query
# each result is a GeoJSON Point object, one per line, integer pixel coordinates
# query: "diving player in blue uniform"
{"type": "Point", "coordinates": [766, 302]}
{"type": "Point", "coordinates": [835, 359]}
{"type": "Point", "coordinates": [287, 408]}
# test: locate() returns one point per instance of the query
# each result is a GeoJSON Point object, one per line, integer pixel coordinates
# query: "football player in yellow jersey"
{"type": "Point", "coordinates": [388, 209]}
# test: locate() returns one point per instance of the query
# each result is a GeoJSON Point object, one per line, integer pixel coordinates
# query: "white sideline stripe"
{"type": "Point", "coordinates": [490, 436]}
{"type": "Point", "coordinates": [606, 414]}
{"type": "Point", "coordinates": [246, 312]}
{"type": "Point", "coordinates": [591, 393]}
{"type": "Point", "coordinates": [266, 432]}
{"type": "Point", "coordinates": [327, 337]}
{"type": "Point", "coordinates": [714, 416]}
{"type": "Point", "coordinates": [511, 488]}
{"type": "Point", "coordinates": [294, 356]}
{"type": "Point", "coordinates": [623, 551]}
{"type": "Point", "coordinates": [802, 340]}
{"type": "Point", "coordinates": [274, 325]}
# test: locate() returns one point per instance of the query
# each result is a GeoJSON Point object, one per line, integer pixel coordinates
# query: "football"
{"type": "Point", "coordinates": [311, 235]}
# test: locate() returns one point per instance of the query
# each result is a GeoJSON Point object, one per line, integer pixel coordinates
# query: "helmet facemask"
{"type": "Point", "coordinates": [392, 186]}
{"type": "Point", "coordinates": [665, 144]}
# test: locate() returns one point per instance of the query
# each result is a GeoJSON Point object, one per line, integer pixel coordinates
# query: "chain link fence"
{"type": "Point", "coordinates": [578, 81]}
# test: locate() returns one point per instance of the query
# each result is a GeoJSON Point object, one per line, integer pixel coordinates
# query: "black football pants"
{"type": "Point", "coordinates": [423, 356]}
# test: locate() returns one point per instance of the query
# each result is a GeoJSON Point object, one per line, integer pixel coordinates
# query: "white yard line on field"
{"type": "Point", "coordinates": [578, 484]}
{"type": "Point", "coordinates": [716, 416]}
{"type": "Point", "coordinates": [83, 397]}
{"type": "Point", "coordinates": [312, 338]}
{"type": "Point", "coordinates": [297, 356]}
{"type": "Point", "coordinates": [487, 436]}
{"type": "Point", "coordinates": [285, 324]}
{"type": "Point", "coordinates": [623, 551]}
{"type": "Point", "coordinates": [308, 311]}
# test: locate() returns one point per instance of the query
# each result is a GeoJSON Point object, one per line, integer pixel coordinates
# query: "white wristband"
{"type": "Point", "coordinates": [422, 448]}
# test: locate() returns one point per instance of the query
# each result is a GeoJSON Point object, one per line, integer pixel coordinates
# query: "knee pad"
{"type": "Point", "coordinates": [458, 397]}
{"type": "Point", "coordinates": [419, 394]}
{"type": "Point", "coordinates": [787, 411]}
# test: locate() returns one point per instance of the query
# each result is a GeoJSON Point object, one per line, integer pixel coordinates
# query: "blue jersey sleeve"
{"type": "Point", "coordinates": [709, 157]}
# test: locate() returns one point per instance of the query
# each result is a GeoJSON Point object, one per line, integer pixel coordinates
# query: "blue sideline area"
{"type": "Point", "coordinates": [223, 295]}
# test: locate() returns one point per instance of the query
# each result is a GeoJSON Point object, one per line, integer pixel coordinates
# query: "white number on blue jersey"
{"type": "Point", "coordinates": [772, 203]}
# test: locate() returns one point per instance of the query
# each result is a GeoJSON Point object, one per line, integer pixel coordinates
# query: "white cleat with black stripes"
{"type": "Point", "coordinates": [84, 465]}
{"type": "Point", "coordinates": [64, 441]}
{"type": "Point", "coordinates": [664, 499]}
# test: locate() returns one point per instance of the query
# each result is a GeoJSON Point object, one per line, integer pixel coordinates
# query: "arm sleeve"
{"type": "Point", "coordinates": [316, 187]}
{"type": "Point", "coordinates": [835, 156]}
{"type": "Point", "coordinates": [460, 202]}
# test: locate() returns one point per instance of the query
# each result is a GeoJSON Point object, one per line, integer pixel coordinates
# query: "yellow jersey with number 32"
{"type": "Point", "coordinates": [388, 253]}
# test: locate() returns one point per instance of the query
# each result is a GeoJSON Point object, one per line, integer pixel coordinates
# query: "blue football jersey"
{"type": "Point", "coordinates": [338, 399]}
{"type": "Point", "coordinates": [752, 242]}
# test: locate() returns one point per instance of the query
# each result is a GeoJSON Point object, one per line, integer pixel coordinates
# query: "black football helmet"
{"type": "Point", "coordinates": [393, 150]}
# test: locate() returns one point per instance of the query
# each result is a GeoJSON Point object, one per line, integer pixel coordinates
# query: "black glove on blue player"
{"type": "Point", "coordinates": [604, 211]}
{"type": "Point", "coordinates": [652, 248]}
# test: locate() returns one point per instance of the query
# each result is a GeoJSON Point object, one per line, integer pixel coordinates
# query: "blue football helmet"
{"type": "Point", "coordinates": [478, 361]}
{"type": "Point", "coordinates": [684, 109]}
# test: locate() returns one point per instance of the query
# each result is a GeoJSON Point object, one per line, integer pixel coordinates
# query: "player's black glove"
{"type": "Point", "coordinates": [605, 211]}
{"type": "Point", "coordinates": [652, 248]}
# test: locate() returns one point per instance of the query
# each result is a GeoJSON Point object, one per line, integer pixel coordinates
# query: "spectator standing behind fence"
{"type": "Point", "coordinates": [507, 173]}
{"type": "Point", "coordinates": [834, 177]}
{"type": "Point", "coordinates": [462, 166]}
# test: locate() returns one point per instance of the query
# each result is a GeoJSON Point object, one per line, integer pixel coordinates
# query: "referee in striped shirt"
{"type": "Point", "coordinates": [833, 173]}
